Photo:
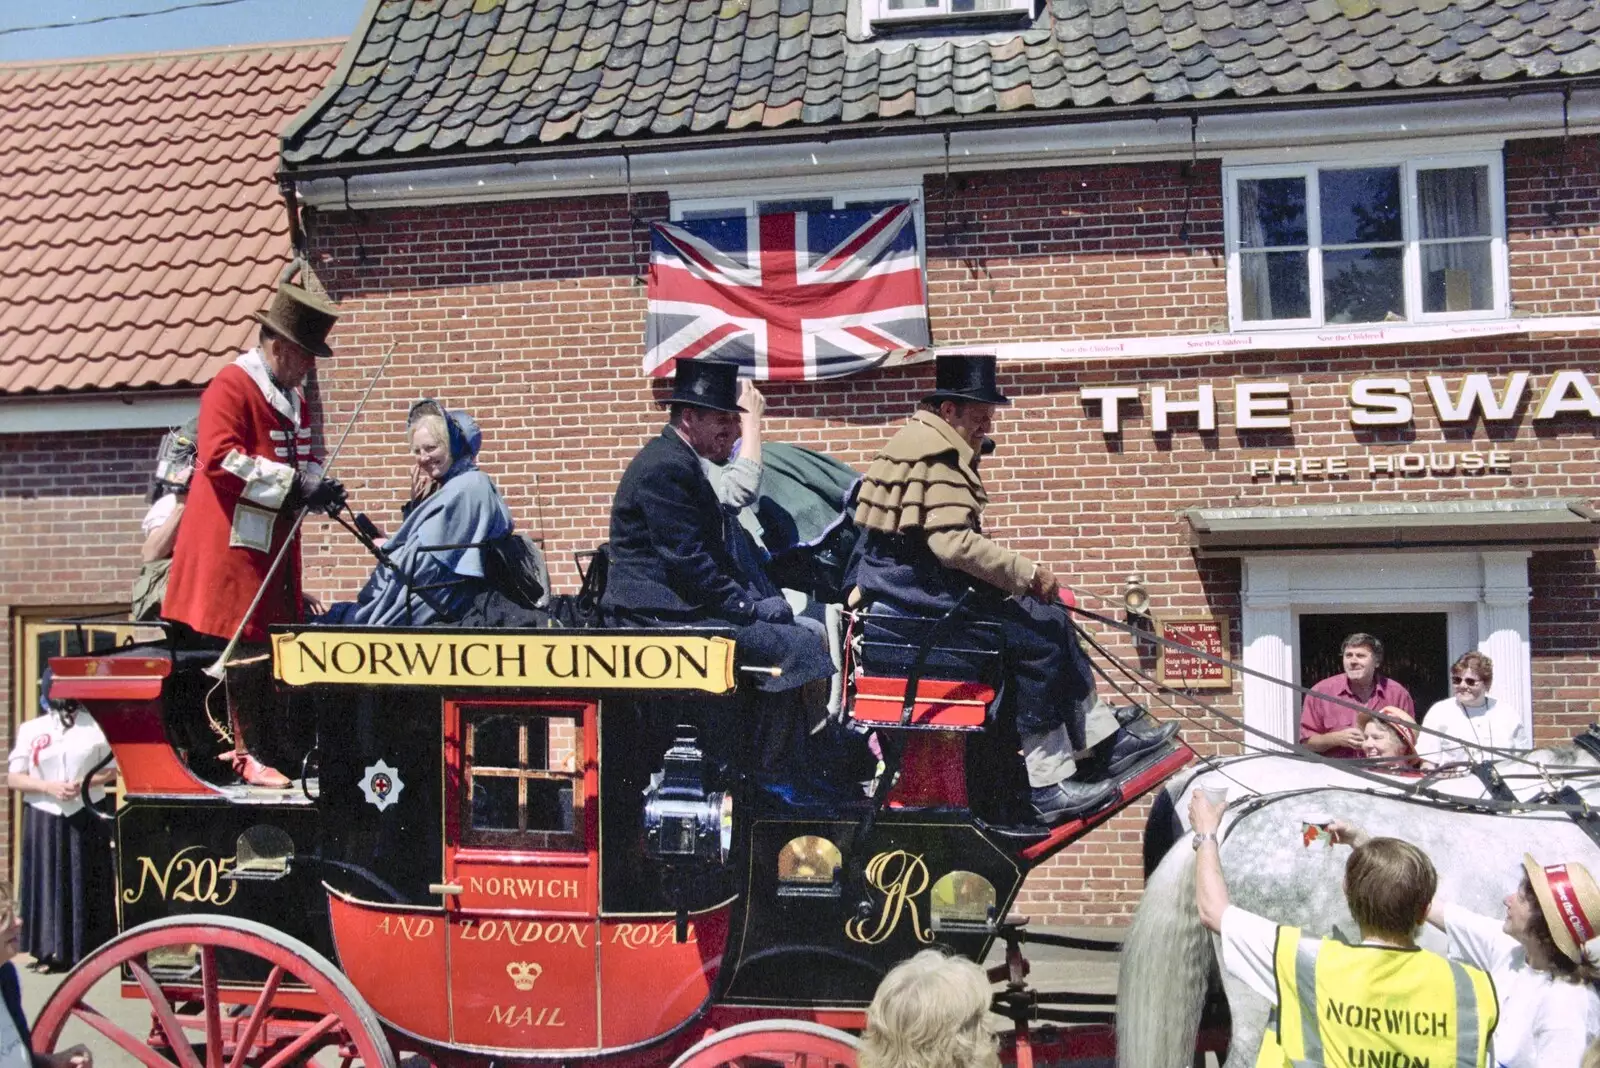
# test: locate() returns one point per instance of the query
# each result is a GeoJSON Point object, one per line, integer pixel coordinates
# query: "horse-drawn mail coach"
{"type": "Point", "coordinates": [544, 845]}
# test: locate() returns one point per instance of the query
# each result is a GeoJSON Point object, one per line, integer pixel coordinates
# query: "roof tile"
{"type": "Point", "coordinates": [553, 71]}
{"type": "Point", "coordinates": [135, 213]}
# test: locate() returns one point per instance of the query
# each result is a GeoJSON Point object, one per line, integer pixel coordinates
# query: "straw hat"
{"type": "Point", "coordinates": [1568, 897]}
{"type": "Point", "coordinates": [1396, 719]}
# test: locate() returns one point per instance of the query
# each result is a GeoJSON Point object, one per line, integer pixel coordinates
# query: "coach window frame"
{"type": "Point", "coordinates": [688, 208]}
{"type": "Point", "coordinates": [1411, 241]}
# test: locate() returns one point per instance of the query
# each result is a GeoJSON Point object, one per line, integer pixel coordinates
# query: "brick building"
{"type": "Point", "coordinates": [1223, 249]}
{"type": "Point", "coordinates": [1296, 301]}
{"type": "Point", "coordinates": [143, 224]}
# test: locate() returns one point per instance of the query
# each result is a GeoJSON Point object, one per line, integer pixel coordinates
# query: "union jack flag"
{"type": "Point", "coordinates": [795, 295]}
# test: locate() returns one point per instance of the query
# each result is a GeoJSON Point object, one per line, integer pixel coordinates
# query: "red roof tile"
{"type": "Point", "coordinates": [142, 220]}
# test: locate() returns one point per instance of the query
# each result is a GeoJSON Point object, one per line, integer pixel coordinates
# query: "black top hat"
{"type": "Point", "coordinates": [966, 376]}
{"type": "Point", "coordinates": [301, 317]}
{"type": "Point", "coordinates": [706, 384]}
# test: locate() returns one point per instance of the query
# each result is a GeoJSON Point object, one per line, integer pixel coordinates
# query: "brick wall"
{"type": "Point", "coordinates": [531, 314]}
{"type": "Point", "coordinates": [70, 506]}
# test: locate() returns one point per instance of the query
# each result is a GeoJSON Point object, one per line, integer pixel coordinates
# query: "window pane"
{"type": "Point", "coordinates": [494, 803]}
{"type": "Point", "coordinates": [1456, 277]}
{"type": "Point", "coordinates": [1272, 211]}
{"type": "Point", "coordinates": [1360, 207]}
{"type": "Point", "coordinates": [1454, 202]}
{"type": "Point", "coordinates": [494, 742]}
{"type": "Point", "coordinates": [910, 5]}
{"type": "Point", "coordinates": [1274, 285]}
{"type": "Point", "coordinates": [1362, 285]}
{"type": "Point", "coordinates": [549, 805]}
{"type": "Point", "coordinates": [778, 207]}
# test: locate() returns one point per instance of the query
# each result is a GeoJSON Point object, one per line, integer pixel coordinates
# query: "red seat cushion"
{"type": "Point", "coordinates": [941, 704]}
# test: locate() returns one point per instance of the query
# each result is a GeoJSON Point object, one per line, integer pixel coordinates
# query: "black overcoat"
{"type": "Point", "coordinates": [669, 550]}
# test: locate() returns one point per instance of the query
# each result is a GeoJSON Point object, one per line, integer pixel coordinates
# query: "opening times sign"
{"type": "Point", "coordinates": [1186, 671]}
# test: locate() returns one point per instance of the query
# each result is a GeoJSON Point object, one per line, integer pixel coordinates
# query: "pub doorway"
{"type": "Point", "coordinates": [1416, 649]}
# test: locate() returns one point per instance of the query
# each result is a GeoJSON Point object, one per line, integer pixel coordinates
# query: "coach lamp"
{"type": "Point", "coordinates": [1135, 598]}
{"type": "Point", "coordinates": [688, 830]}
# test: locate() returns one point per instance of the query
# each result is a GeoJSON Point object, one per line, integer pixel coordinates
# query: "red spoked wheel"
{"type": "Point", "coordinates": [790, 1043]}
{"type": "Point", "coordinates": [304, 1005]}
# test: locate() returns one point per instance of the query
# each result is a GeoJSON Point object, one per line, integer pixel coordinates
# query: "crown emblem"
{"type": "Point", "coordinates": [523, 973]}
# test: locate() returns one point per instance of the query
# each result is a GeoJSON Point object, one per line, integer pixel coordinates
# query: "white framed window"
{"type": "Point", "coordinates": [897, 10]}
{"type": "Point", "coordinates": [1361, 242]}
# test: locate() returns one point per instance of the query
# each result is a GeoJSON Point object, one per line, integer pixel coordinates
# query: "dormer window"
{"type": "Point", "coordinates": [911, 10]}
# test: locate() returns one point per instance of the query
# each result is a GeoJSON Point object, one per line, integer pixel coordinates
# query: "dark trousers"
{"type": "Point", "coordinates": [1052, 681]}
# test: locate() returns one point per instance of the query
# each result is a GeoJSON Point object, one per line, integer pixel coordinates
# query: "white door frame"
{"type": "Point", "coordinates": [1484, 595]}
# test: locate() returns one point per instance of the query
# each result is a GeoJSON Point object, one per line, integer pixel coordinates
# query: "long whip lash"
{"type": "Point", "coordinates": [220, 667]}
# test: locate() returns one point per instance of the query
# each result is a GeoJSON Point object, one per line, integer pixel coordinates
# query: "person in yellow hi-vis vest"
{"type": "Point", "coordinates": [1544, 959]}
{"type": "Point", "coordinates": [1382, 1003]}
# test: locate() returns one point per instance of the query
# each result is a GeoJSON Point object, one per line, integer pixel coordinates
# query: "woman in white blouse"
{"type": "Point", "coordinates": [67, 881]}
{"type": "Point", "coordinates": [1472, 719]}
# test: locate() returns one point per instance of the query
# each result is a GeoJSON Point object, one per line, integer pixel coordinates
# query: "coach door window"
{"type": "Point", "coordinates": [522, 779]}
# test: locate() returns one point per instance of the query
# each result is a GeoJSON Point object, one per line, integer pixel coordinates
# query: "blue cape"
{"type": "Point", "coordinates": [465, 509]}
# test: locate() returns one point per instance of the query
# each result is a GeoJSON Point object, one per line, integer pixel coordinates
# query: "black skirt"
{"type": "Point", "coordinates": [67, 886]}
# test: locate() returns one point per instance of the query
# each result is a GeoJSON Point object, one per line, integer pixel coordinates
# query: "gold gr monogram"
{"type": "Point", "coordinates": [899, 877]}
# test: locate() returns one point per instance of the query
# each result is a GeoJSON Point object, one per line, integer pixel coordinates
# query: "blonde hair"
{"type": "Point", "coordinates": [435, 424]}
{"type": "Point", "coordinates": [1591, 1056]}
{"type": "Point", "coordinates": [929, 1012]}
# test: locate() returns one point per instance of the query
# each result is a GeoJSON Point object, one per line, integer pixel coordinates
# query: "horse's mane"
{"type": "Point", "coordinates": [1565, 755]}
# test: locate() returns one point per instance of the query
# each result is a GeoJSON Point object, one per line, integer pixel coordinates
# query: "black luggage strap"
{"type": "Point", "coordinates": [1589, 740]}
{"type": "Point", "coordinates": [1496, 786]}
{"type": "Point", "coordinates": [1586, 818]}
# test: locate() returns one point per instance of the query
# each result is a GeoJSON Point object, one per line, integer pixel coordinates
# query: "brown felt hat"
{"type": "Point", "coordinates": [301, 317]}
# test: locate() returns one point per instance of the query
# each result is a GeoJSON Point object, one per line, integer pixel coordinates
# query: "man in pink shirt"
{"type": "Point", "coordinates": [1330, 728]}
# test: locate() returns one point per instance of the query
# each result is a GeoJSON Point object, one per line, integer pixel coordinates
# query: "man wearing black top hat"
{"type": "Point", "coordinates": [670, 562]}
{"type": "Point", "coordinates": [923, 547]}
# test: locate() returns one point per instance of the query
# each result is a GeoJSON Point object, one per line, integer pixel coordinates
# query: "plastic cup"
{"type": "Point", "coordinates": [1316, 827]}
{"type": "Point", "coordinates": [1216, 795]}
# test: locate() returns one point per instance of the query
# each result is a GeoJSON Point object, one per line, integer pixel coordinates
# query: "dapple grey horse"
{"type": "Point", "coordinates": [1169, 959]}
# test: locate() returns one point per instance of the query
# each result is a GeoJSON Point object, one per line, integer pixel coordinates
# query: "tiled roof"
{"type": "Point", "coordinates": [142, 219]}
{"type": "Point", "coordinates": [429, 78]}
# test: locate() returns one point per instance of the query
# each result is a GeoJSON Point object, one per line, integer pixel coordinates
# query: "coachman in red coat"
{"type": "Point", "coordinates": [253, 472]}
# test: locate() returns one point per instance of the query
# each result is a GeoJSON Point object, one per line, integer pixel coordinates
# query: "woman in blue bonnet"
{"type": "Point", "coordinates": [453, 504]}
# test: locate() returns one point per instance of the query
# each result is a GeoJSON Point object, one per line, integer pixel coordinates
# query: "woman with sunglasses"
{"type": "Point", "coordinates": [1472, 719]}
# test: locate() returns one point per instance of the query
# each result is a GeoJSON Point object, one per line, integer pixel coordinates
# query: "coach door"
{"type": "Point", "coordinates": [521, 838]}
